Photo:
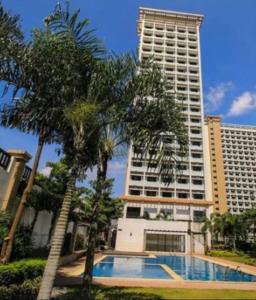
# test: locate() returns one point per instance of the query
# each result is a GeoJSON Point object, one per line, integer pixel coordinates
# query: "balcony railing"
{"type": "Point", "coordinates": [4, 159]}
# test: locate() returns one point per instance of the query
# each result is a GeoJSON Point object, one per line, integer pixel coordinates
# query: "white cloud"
{"type": "Point", "coordinates": [243, 104]}
{"type": "Point", "coordinates": [91, 174]}
{"type": "Point", "coordinates": [116, 166]}
{"type": "Point", "coordinates": [216, 95]}
{"type": "Point", "coordinates": [46, 171]}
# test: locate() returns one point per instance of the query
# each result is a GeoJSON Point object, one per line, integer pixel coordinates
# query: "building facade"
{"type": "Point", "coordinates": [233, 165]}
{"type": "Point", "coordinates": [160, 217]}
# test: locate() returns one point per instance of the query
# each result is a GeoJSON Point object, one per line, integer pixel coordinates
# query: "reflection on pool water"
{"type": "Point", "coordinates": [189, 268]}
{"type": "Point", "coordinates": [128, 267]}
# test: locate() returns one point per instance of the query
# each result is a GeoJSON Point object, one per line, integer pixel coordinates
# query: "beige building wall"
{"type": "Point", "coordinates": [216, 163]}
{"type": "Point", "coordinates": [207, 169]}
{"type": "Point", "coordinates": [12, 177]}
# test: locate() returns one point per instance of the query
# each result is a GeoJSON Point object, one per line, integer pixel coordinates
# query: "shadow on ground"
{"type": "Point", "coordinates": [108, 293]}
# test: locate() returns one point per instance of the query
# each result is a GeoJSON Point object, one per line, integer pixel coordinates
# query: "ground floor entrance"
{"type": "Point", "coordinates": [165, 242]}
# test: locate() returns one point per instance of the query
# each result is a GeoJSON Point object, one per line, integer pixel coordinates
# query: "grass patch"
{"type": "Point", "coordinates": [114, 293]}
{"type": "Point", "coordinates": [239, 257]}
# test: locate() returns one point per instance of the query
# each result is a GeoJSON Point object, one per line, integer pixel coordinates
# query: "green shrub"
{"type": "Point", "coordinates": [4, 225]}
{"type": "Point", "coordinates": [223, 253]}
{"type": "Point", "coordinates": [23, 242]}
{"type": "Point", "coordinates": [18, 272]}
{"type": "Point", "coordinates": [28, 290]}
{"type": "Point", "coordinates": [79, 245]}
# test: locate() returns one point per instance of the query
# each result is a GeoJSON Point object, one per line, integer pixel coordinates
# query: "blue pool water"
{"type": "Point", "coordinates": [128, 267]}
{"type": "Point", "coordinates": [189, 268]}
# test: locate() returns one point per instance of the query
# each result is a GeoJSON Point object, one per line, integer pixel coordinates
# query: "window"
{"type": "Point", "coordinates": [182, 180]}
{"type": "Point", "coordinates": [182, 211]}
{"type": "Point", "coordinates": [167, 179]}
{"type": "Point", "coordinates": [137, 164]}
{"type": "Point", "coordinates": [197, 181]}
{"type": "Point", "coordinates": [149, 212]}
{"type": "Point", "coordinates": [182, 195]}
{"type": "Point", "coordinates": [196, 143]}
{"type": "Point", "coordinates": [151, 193]}
{"type": "Point", "coordinates": [135, 192]}
{"type": "Point", "coordinates": [151, 179]}
{"type": "Point", "coordinates": [136, 177]}
{"type": "Point", "coordinates": [152, 165]}
{"type": "Point", "coordinates": [195, 131]}
{"type": "Point", "coordinates": [198, 196]}
{"type": "Point", "coordinates": [137, 151]}
{"type": "Point", "coordinates": [193, 120]}
{"type": "Point", "coordinates": [196, 155]}
{"type": "Point", "coordinates": [182, 167]}
{"type": "Point", "coordinates": [167, 194]}
{"type": "Point", "coordinates": [165, 242]}
{"type": "Point", "coordinates": [133, 212]}
{"type": "Point", "coordinates": [197, 168]}
{"type": "Point", "coordinates": [199, 216]}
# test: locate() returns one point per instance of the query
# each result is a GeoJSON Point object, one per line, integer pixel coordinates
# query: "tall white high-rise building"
{"type": "Point", "coordinates": [160, 217]}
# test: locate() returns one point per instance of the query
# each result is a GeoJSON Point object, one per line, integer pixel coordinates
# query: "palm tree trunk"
{"type": "Point", "coordinates": [8, 241]}
{"type": "Point", "coordinates": [92, 239]}
{"type": "Point", "coordinates": [57, 241]}
{"type": "Point", "coordinates": [34, 221]}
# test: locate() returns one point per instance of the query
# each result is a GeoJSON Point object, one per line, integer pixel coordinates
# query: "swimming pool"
{"type": "Point", "coordinates": [187, 267]}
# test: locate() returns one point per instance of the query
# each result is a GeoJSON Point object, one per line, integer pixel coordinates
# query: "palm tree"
{"type": "Point", "coordinates": [9, 26]}
{"type": "Point", "coordinates": [248, 219]}
{"type": "Point", "coordinates": [131, 116]}
{"type": "Point", "coordinates": [233, 228]}
{"type": "Point", "coordinates": [65, 54]}
{"type": "Point", "coordinates": [78, 139]}
{"type": "Point", "coordinates": [215, 226]}
{"type": "Point", "coordinates": [11, 43]}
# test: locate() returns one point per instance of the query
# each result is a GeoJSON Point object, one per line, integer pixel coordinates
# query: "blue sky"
{"type": "Point", "coordinates": [228, 55]}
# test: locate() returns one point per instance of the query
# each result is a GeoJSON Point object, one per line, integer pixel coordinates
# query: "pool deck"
{"type": "Point", "coordinates": [71, 275]}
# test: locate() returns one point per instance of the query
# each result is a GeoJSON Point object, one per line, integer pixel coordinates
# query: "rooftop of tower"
{"type": "Point", "coordinates": [218, 118]}
{"type": "Point", "coordinates": [169, 13]}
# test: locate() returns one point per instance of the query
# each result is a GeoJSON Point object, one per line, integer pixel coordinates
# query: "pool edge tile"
{"type": "Point", "coordinates": [99, 259]}
{"type": "Point", "coordinates": [173, 274]}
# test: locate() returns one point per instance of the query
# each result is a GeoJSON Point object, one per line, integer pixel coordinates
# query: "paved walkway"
{"type": "Point", "coordinates": [72, 275]}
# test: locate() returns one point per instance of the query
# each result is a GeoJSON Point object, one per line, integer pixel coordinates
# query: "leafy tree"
{"type": "Point", "coordinates": [229, 227]}
{"type": "Point", "coordinates": [109, 208]}
{"type": "Point", "coordinates": [233, 228]}
{"type": "Point", "coordinates": [39, 199]}
{"type": "Point", "coordinates": [215, 226]}
{"type": "Point", "coordinates": [139, 109]}
{"type": "Point", "coordinates": [4, 225]}
{"type": "Point", "coordinates": [40, 107]}
{"type": "Point", "coordinates": [9, 27]}
{"type": "Point", "coordinates": [79, 149]}
{"type": "Point", "coordinates": [165, 215]}
{"type": "Point", "coordinates": [11, 44]}
{"type": "Point", "coordinates": [48, 192]}
{"type": "Point", "coordinates": [248, 219]}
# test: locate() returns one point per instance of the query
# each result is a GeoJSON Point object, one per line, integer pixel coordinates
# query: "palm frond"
{"type": "Point", "coordinates": [63, 22]}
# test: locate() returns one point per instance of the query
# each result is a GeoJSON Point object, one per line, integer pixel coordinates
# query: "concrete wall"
{"type": "Point", "coordinates": [131, 234]}
{"type": "Point", "coordinates": [42, 226]}
{"type": "Point", "coordinates": [10, 178]}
